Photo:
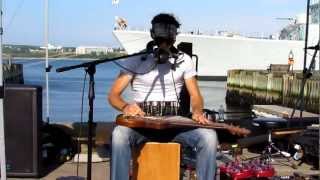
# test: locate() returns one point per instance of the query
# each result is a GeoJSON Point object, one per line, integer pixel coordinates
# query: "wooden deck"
{"type": "Point", "coordinates": [68, 171]}
{"type": "Point", "coordinates": [101, 170]}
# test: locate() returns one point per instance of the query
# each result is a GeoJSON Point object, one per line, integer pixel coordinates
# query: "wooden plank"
{"type": "Point", "coordinates": [157, 161]}
{"type": "Point", "coordinates": [288, 132]}
{"type": "Point", "coordinates": [281, 111]}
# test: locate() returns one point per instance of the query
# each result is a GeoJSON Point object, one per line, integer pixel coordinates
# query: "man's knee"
{"type": "Point", "coordinates": [209, 138]}
{"type": "Point", "coordinates": [120, 135]}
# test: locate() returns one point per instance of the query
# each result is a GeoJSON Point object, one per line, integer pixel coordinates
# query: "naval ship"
{"type": "Point", "coordinates": [223, 51]}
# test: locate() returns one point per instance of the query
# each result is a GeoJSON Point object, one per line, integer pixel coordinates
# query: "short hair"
{"type": "Point", "coordinates": [165, 18]}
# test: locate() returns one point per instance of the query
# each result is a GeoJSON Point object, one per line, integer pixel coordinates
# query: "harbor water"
{"type": "Point", "coordinates": [66, 90]}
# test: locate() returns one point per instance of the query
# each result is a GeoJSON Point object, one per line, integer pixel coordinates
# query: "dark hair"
{"type": "Point", "coordinates": [165, 18]}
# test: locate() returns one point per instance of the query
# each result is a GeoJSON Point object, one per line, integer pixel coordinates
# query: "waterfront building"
{"type": "Point", "coordinates": [93, 49]}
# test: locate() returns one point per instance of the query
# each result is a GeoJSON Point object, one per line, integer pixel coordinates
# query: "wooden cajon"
{"type": "Point", "coordinates": [157, 161]}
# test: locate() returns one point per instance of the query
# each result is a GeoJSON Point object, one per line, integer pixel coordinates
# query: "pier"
{"type": "Point", "coordinates": [249, 87]}
{"type": "Point", "coordinates": [13, 73]}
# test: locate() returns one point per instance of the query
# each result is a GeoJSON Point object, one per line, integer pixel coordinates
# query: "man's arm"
{"type": "Point", "coordinates": [116, 100]}
{"type": "Point", "coordinates": [119, 85]}
{"type": "Point", "coordinates": [196, 100]}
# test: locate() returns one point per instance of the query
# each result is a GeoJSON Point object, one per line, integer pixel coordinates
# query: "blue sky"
{"type": "Point", "coordinates": [90, 22]}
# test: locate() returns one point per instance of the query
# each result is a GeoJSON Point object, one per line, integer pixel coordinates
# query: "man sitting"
{"type": "Point", "coordinates": [157, 80]}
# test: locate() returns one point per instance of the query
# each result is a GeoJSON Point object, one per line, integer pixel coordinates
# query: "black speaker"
{"type": "Point", "coordinates": [185, 47]}
{"type": "Point", "coordinates": [23, 121]}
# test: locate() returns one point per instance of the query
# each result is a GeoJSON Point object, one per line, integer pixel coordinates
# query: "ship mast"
{"type": "Point", "coordinates": [306, 37]}
{"type": "Point", "coordinates": [46, 34]}
{"type": "Point", "coordinates": [2, 139]}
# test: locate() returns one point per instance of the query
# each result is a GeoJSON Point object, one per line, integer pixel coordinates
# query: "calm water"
{"type": "Point", "coordinates": [66, 90]}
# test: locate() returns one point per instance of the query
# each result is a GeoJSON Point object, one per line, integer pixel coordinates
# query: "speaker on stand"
{"type": "Point", "coordinates": [23, 121]}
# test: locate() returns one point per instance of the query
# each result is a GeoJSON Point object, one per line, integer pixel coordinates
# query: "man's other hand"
{"type": "Point", "coordinates": [132, 110]}
{"type": "Point", "coordinates": [200, 118]}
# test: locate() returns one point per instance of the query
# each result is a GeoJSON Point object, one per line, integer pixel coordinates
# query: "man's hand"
{"type": "Point", "coordinates": [132, 110]}
{"type": "Point", "coordinates": [200, 118]}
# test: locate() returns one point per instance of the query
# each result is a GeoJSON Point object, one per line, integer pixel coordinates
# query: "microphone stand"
{"type": "Point", "coordinates": [90, 68]}
{"type": "Point", "coordinates": [307, 73]}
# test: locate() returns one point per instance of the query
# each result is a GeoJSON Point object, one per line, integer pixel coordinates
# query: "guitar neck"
{"type": "Point", "coordinates": [198, 125]}
{"type": "Point", "coordinates": [175, 122]}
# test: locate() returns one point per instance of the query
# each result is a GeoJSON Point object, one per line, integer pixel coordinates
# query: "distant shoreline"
{"type": "Point", "coordinates": [23, 53]}
{"type": "Point", "coordinates": [62, 58]}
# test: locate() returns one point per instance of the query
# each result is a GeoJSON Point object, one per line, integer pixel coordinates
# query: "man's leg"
{"type": "Point", "coordinates": [123, 138]}
{"type": "Point", "coordinates": [204, 142]}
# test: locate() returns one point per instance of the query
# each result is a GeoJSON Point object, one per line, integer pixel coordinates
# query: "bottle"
{"type": "Point", "coordinates": [221, 113]}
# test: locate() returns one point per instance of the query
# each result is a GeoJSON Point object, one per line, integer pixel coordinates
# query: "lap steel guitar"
{"type": "Point", "coordinates": [166, 122]}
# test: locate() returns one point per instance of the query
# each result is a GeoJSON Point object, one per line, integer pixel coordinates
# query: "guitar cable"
{"type": "Point", "coordinates": [175, 88]}
{"type": "Point", "coordinates": [174, 83]}
{"type": "Point", "coordinates": [81, 121]}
